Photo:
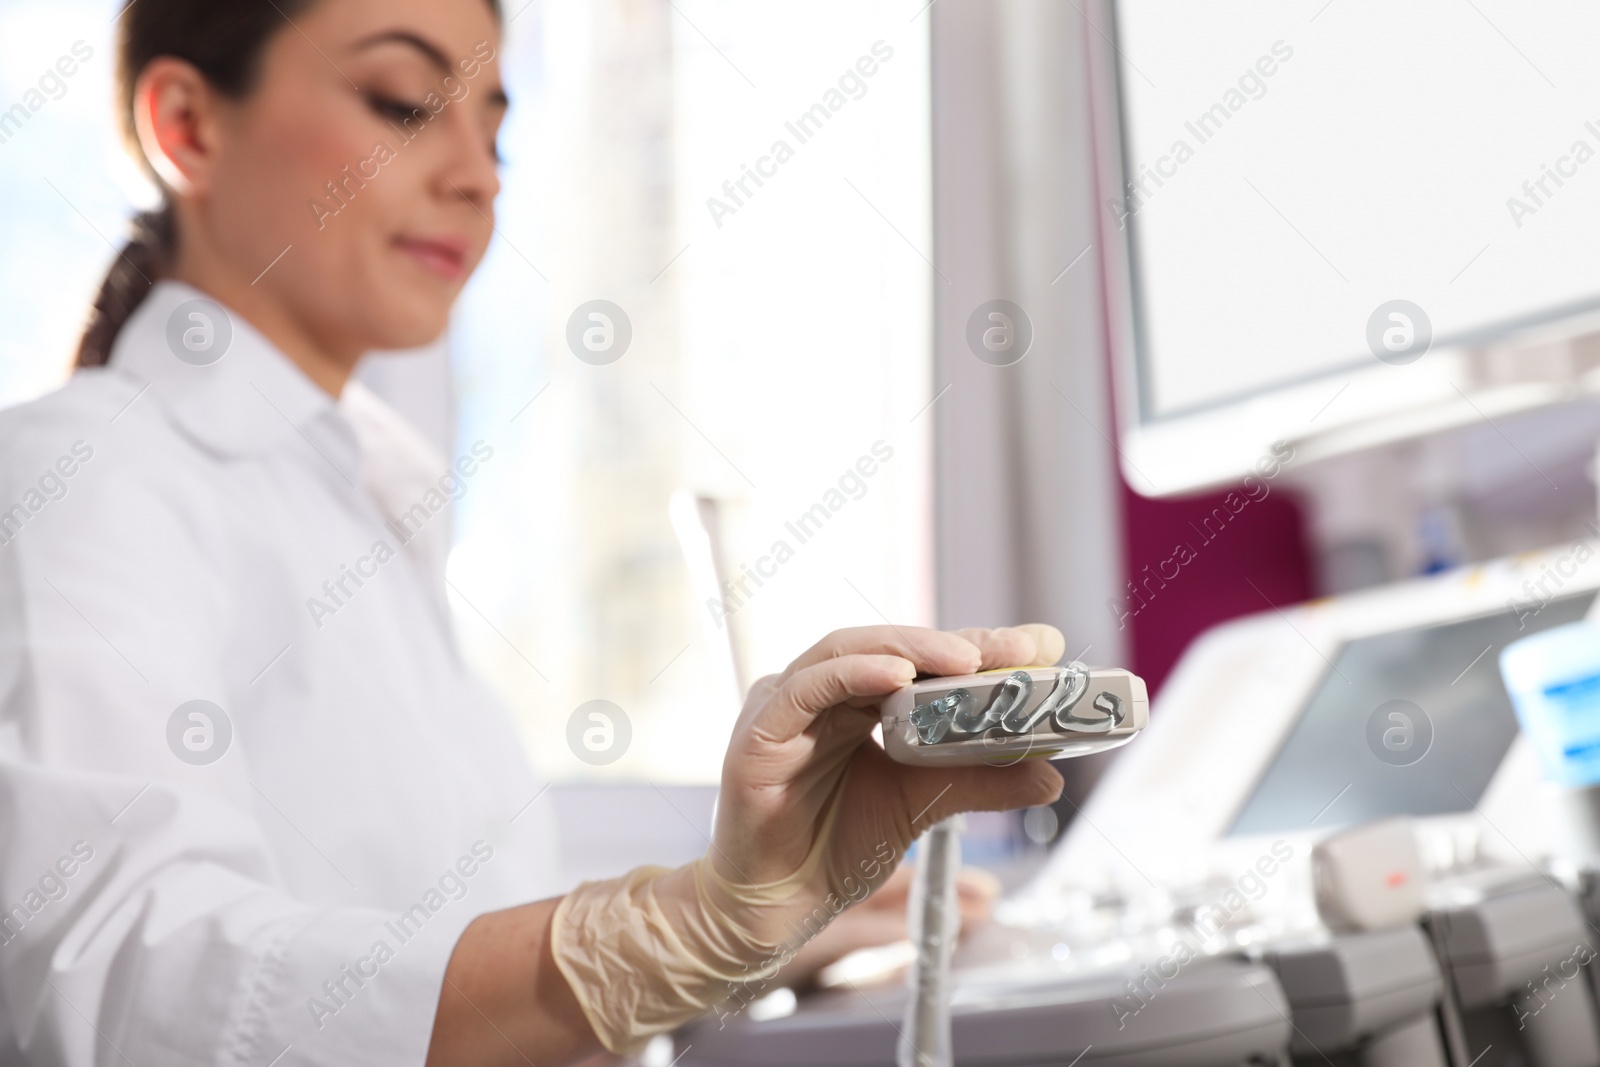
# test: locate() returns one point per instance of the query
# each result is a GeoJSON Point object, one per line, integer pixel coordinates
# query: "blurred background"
{"type": "Point", "coordinates": [793, 313]}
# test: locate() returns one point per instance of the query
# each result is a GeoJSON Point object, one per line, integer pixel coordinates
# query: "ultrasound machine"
{"type": "Point", "coordinates": [1177, 922]}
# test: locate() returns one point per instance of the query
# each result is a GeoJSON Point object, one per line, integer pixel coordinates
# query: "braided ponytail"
{"type": "Point", "coordinates": [141, 263]}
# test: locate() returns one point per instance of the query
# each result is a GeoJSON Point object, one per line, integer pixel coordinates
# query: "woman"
{"type": "Point", "coordinates": [238, 830]}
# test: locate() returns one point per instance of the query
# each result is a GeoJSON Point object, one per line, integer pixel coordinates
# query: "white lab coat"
{"type": "Point", "coordinates": [165, 530]}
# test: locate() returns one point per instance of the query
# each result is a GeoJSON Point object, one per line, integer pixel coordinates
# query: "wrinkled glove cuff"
{"type": "Point", "coordinates": [649, 951]}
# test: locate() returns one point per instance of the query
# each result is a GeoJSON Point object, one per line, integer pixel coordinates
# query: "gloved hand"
{"type": "Point", "coordinates": [809, 819]}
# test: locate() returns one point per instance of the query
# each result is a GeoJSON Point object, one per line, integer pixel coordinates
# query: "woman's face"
{"type": "Point", "coordinates": [367, 148]}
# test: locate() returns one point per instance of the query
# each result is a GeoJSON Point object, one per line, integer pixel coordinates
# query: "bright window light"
{"type": "Point", "coordinates": [749, 184]}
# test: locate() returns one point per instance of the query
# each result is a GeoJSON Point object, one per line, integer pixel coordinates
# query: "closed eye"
{"type": "Point", "coordinates": [391, 108]}
{"type": "Point", "coordinates": [400, 111]}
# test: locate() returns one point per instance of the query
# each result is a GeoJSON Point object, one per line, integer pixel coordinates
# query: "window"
{"type": "Point", "coordinates": [757, 203]}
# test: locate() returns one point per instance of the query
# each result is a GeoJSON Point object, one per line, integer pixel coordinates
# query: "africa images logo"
{"type": "Point", "coordinates": [1399, 733]}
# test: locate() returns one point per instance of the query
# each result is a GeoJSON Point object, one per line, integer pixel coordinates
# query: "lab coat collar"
{"type": "Point", "coordinates": [248, 402]}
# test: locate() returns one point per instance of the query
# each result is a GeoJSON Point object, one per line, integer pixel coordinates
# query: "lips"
{"type": "Point", "coordinates": [444, 256]}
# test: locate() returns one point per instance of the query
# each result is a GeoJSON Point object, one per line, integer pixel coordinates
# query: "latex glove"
{"type": "Point", "coordinates": [811, 817]}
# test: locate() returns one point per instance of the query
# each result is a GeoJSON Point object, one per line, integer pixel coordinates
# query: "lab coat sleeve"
{"type": "Point", "coordinates": [143, 919]}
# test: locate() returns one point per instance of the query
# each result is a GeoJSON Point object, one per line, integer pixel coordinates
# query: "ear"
{"type": "Point", "coordinates": [175, 113]}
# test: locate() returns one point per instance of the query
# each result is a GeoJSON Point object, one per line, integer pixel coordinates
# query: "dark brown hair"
{"type": "Point", "coordinates": [224, 40]}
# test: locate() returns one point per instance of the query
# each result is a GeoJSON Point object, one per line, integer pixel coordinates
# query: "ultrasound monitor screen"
{"type": "Point", "coordinates": [1413, 722]}
{"type": "Point", "coordinates": [1288, 171]}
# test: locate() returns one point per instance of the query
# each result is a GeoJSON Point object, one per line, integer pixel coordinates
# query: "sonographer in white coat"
{"type": "Point", "coordinates": [253, 808]}
{"type": "Point", "coordinates": [190, 512]}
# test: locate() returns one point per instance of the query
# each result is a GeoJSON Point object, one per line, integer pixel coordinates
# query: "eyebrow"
{"type": "Point", "coordinates": [430, 51]}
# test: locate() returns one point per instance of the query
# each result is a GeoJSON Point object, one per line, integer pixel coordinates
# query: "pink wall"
{"type": "Point", "coordinates": [1263, 543]}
